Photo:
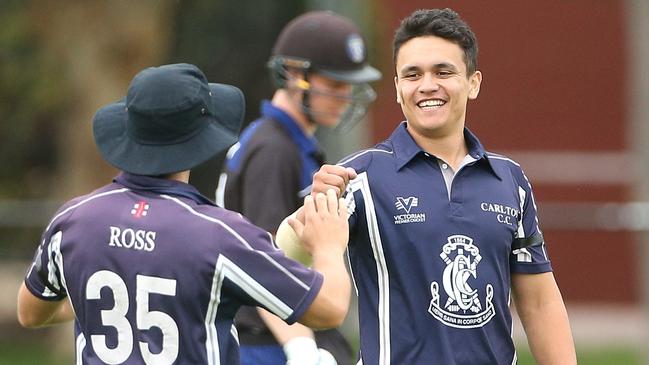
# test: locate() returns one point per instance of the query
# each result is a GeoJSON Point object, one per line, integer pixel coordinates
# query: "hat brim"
{"type": "Point", "coordinates": [365, 74]}
{"type": "Point", "coordinates": [220, 131]}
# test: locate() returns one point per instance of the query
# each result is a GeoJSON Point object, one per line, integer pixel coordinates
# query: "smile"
{"type": "Point", "coordinates": [430, 104]}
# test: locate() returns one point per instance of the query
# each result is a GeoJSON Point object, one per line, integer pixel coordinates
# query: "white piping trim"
{"type": "Point", "coordinates": [219, 196]}
{"type": "Point", "coordinates": [361, 183]}
{"type": "Point", "coordinates": [351, 158]}
{"type": "Point", "coordinates": [83, 202]}
{"type": "Point", "coordinates": [239, 238]}
{"type": "Point", "coordinates": [225, 268]}
{"type": "Point", "coordinates": [80, 345]}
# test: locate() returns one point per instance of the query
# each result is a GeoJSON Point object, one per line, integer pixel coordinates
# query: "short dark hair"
{"type": "Point", "coordinates": [443, 23]}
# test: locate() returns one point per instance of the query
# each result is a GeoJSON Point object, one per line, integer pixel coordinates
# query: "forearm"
{"type": "Point", "coordinates": [325, 233]}
{"type": "Point", "coordinates": [549, 335]}
{"type": "Point", "coordinates": [332, 303]}
{"type": "Point", "coordinates": [282, 331]}
{"type": "Point", "coordinates": [545, 320]}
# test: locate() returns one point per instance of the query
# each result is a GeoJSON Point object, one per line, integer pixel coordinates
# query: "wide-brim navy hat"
{"type": "Point", "coordinates": [171, 120]}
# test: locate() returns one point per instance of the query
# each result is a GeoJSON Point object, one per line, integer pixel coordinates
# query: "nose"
{"type": "Point", "coordinates": [428, 83]}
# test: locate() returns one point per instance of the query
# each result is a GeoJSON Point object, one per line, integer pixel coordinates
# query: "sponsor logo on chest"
{"type": "Point", "coordinates": [405, 205]}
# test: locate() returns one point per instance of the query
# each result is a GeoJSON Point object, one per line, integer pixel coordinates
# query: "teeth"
{"type": "Point", "coordinates": [435, 102]}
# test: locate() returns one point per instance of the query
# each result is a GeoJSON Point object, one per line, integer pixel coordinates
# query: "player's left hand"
{"type": "Point", "coordinates": [325, 229]}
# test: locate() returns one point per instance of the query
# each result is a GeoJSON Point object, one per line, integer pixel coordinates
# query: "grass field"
{"type": "Point", "coordinates": [599, 356]}
{"type": "Point", "coordinates": [34, 356]}
{"type": "Point", "coordinates": [24, 355]}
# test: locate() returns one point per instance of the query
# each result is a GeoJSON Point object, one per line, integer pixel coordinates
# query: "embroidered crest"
{"type": "Point", "coordinates": [355, 48]}
{"type": "Point", "coordinates": [462, 307]}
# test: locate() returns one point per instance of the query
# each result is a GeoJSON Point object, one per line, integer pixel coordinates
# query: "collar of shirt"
{"type": "Point", "coordinates": [406, 149]}
{"type": "Point", "coordinates": [161, 186]}
{"type": "Point", "coordinates": [306, 143]}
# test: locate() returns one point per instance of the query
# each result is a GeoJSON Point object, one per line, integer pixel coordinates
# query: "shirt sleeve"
{"type": "Point", "coordinates": [270, 184]}
{"type": "Point", "coordinates": [528, 253]}
{"type": "Point", "coordinates": [44, 278]}
{"type": "Point", "coordinates": [353, 197]}
{"type": "Point", "coordinates": [267, 278]}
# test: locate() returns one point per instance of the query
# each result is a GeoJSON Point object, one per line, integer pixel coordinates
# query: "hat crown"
{"type": "Point", "coordinates": [171, 120]}
{"type": "Point", "coordinates": [328, 40]}
{"type": "Point", "coordinates": [155, 90]}
{"type": "Point", "coordinates": [165, 104]}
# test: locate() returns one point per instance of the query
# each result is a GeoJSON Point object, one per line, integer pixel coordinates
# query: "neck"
{"type": "Point", "coordinates": [286, 101]}
{"type": "Point", "coordinates": [451, 147]}
{"type": "Point", "coordinates": [182, 176]}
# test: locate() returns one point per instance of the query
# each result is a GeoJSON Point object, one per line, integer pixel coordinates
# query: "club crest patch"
{"type": "Point", "coordinates": [458, 304]}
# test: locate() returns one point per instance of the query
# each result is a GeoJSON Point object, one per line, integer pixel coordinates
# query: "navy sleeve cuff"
{"type": "Point", "coordinates": [531, 267]}
{"type": "Point", "coordinates": [305, 303]}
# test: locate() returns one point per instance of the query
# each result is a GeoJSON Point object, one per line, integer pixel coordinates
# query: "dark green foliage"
{"type": "Point", "coordinates": [32, 96]}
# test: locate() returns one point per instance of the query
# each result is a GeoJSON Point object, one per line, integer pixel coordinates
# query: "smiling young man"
{"type": "Point", "coordinates": [443, 233]}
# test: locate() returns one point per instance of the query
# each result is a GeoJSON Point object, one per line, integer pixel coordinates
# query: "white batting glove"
{"type": "Point", "coordinates": [326, 358]}
{"type": "Point", "coordinates": [304, 351]}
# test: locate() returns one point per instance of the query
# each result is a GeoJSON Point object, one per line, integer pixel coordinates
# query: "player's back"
{"type": "Point", "coordinates": [141, 272]}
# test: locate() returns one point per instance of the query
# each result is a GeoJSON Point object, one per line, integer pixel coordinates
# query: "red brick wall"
{"type": "Point", "coordinates": [554, 79]}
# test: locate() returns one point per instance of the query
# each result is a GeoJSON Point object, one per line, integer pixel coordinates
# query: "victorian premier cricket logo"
{"type": "Point", "coordinates": [405, 205]}
{"type": "Point", "coordinates": [462, 307]}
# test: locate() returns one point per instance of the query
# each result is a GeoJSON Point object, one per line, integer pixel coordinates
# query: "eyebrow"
{"type": "Point", "coordinates": [437, 66]}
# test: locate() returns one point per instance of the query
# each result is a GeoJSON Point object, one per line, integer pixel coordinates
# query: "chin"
{"type": "Point", "coordinates": [330, 122]}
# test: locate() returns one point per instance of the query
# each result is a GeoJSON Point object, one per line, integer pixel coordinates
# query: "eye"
{"type": "Point", "coordinates": [444, 73]}
{"type": "Point", "coordinates": [410, 75]}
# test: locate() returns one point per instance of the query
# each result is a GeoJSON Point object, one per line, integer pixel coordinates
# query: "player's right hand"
{"type": "Point", "coordinates": [332, 177]}
{"type": "Point", "coordinates": [325, 228]}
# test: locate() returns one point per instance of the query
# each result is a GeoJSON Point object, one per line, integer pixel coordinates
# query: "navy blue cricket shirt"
{"type": "Point", "coordinates": [156, 273]}
{"type": "Point", "coordinates": [433, 269]}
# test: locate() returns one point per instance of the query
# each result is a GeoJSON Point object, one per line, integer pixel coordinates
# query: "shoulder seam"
{"type": "Point", "coordinates": [361, 153]}
{"type": "Point", "coordinates": [503, 158]}
{"type": "Point", "coordinates": [84, 201]}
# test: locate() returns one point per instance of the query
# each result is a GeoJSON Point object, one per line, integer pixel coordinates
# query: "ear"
{"type": "Point", "coordinates": [293, 77]}
{"type": "Point", "coordinates": [396, 88]}
{"type": "Point", "coordinates": [474, 85]}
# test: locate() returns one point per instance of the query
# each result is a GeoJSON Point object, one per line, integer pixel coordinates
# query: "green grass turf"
{"type": "Point", "coordinates": [34, 355]}
{"type": "Point", "coordinates": [594, 356]}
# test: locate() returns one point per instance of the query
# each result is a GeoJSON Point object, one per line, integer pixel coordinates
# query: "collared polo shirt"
{"type": "Point", "coordinates": [433, 267]}
{"type": "Point", "coordinates": [155, 273]}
